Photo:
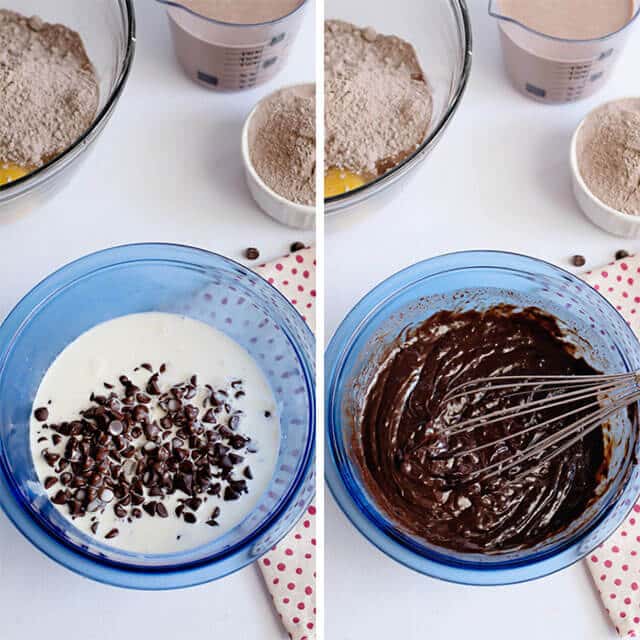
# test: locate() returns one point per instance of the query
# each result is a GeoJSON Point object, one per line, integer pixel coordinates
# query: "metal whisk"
{"type": "Point", "coordinates": [584, 402]}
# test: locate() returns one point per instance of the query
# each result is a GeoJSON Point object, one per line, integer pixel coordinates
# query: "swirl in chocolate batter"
{"type": "Point", "coordinates": [401, 452]}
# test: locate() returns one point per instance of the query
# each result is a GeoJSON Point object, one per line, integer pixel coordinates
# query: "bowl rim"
{"type": "Point", "coordinates": [104, 570]}
{"type": "Point", "coordinates": [615, 215]}
{"type": "Point", "coordinates": [342, 199]}
{"type": "Point", "coordinates": [20, 186]}
{"type": "Point", "coordinates": [392, 546]}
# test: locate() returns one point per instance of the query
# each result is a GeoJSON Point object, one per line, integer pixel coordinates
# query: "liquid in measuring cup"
{"type": "Point", "coordinates": [232, 45]}
{"type": "Point", "coordinates": [559, 51]}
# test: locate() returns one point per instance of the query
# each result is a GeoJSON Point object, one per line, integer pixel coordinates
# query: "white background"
{"type": "Point", "coordinates": [499, 179]}
{"type": "Point", "coordinates": [167, 168]}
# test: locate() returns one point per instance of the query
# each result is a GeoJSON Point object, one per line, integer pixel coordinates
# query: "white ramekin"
{"type": "Point", "coordinates": [611, 220]}
{"type": "Point", "coordinates": [299, 216]}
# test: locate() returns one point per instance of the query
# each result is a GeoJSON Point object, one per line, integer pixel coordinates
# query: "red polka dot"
{"type": "Point", "coordinates": [624, 266]}
{"type": "Point", "coordinates": [299, 571]}
{"type": "Point", "coordinates": [608, 564]}
{"type": "Point", "coordinates": [627, 600]}
{"type": "Point", "coordinates": [288, 552]}
{"type": "Point", "coordinates": [634, 586]}
{"type": "Point", "coordinates": [299, 259]}
{"type": "Point", "coordinates": [309, 625]}
{"type": "Point", "coordinates": [295, 620]}
{"type": "Point", "coordinates": [604, 274]}
{"type": "Point", "coordinates": [594, 558]}
{"type": "Point", "coordinates": [286, 600]}
{"type": "Point", "coordinates": [266, 562]}
{"type": "Point", "coordinates": [282, 566]}
{"type": "Point", "coordinates": [279, 267]}
{"type": "Point", "coordinates": [308, 590]}
{"type": "Point", "coordinates": [617, 582]}
{"type": "Point", "coordinates": [301, 605]}
{"type": "Point", "coordinates": [312, 510]}
{"type": "Point", "coordinates": [291, 586]}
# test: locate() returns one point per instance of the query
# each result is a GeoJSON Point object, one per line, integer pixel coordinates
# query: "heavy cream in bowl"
{"type": "Point", "coordinates": [154, 433]}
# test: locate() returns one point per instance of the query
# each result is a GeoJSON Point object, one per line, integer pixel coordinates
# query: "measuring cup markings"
{"type": "Point", "coordinates": [551, 69]}
{"type": "Point", "coordinates": [231, 56]}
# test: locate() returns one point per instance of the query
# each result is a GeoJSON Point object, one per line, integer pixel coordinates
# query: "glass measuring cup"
{"type": "Point", "coordinates": [558, 70]}
{"type": "Point", "coordinates": [227, 56]}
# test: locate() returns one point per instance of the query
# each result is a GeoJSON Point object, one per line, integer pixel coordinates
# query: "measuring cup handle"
{"type": "Point", "coordinates": [493, 10]}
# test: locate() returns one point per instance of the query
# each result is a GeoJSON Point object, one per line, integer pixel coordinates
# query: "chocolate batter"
{"type": "Point", "coordinates": [398, 439]}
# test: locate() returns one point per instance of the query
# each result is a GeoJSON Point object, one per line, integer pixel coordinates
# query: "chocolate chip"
{"type": "Point", "coordinates": [50, 458]}
{"type": "Point", "coordinates": [94, 528]}
{"type": "Point", "coordinates": [112, 534]}
{"type": "Point", "coordinates": [247, 473]}
{"type": "Point", "coordinates": [151, 507]}
{"type": "Point", "coordinates": [252, 253]}
{"type": "Point", "coordinates": [215, 513]}
{"type": "Point", "coordinates": [120, 511]}
{"type": "Point", "coordinates": [56, 439]}
{"type": "Point", "coordinates": [60, 498]}
{"type": "Point", "coordinates": [267, 414]}
{"type": "Point", "coordinates": [41, 414]}
{"type": "Point", "coordinates": [621, 253]}
{"type": "Point", "coordinates": [190, 518]}
{"type": "Point", "coordinates": [49, 482]}
{"type": "Point", "coordinates": [297, 246]}
{"type": "Point", "coordinates": [230, 494]}
{"type": "Point", "coordinates": [578, 261]}
{"type": "Point", "coordinates": [161, 510]}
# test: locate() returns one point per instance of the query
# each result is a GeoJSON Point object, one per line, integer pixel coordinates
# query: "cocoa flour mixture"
{"type": "Point", "coordinates": [282, 143]}
{"type": "Point", "coordinates": [48, 86]}
{"type": "Point", "coordinates": [609, 154]}
{"type": "Point", "coordinates": [378, 105]}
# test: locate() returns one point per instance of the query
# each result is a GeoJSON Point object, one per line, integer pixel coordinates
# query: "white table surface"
{"type": "Point", "coordinates": [167, 168]}
{"type": "Point", "coordinates": [498, 180]}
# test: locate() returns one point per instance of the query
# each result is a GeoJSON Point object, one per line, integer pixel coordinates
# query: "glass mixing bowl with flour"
{"type": "Point", "coordinates": [162, 434]}
{"type": "Point", "coordinates": [440, 34]}
{"type": "Point", "coordinates": [107, 30]}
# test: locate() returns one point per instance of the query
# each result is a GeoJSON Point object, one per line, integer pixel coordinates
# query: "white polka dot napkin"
{"type": "Point", "coordinates": [615, 565]}
{"type": "Point", "coordinates": [289, 569]}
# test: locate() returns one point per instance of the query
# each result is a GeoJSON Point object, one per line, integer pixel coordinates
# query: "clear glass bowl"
{"type": "Point", "coordinates": [173, 279]}
{"type": "Point", "coordinates": [108, 29]}
{"type": "Point", "coordinates": [477, 280]}
{"type": "Point", "coordinates": [440, 32]}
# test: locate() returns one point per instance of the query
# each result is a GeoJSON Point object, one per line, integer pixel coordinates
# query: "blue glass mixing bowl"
{"type": "Point", "coordinates": [463, 281]}
{"type": "Point", "coordinates": [172, 279]}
